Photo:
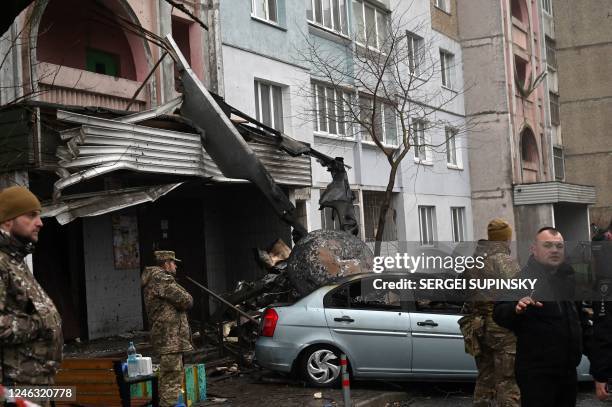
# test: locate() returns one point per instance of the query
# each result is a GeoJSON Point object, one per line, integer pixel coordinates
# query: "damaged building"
{"type": "Point", "coordinates": [91, 132]}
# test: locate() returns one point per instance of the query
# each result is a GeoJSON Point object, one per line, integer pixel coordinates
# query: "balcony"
{"type": "Point", "coordinates": [520, 35]}
{"type": "Point", "coordinates": [70, 86]}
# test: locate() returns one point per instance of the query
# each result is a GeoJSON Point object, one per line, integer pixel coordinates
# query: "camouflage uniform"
{"type": "Point", "coordinates": [166, 303]}
{"type": "Point", "coordinates": [30, 326]}
{"type": "Point", "coordinates": [496, 383]}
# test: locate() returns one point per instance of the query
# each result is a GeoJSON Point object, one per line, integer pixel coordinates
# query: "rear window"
{"type": "Point", "coordinates": [360, 295]}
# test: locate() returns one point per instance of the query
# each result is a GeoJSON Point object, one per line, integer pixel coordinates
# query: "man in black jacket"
{"type": "Point", "coordinates": [547, 326]}
{"type": "Point", "coordinates": [601, 344]}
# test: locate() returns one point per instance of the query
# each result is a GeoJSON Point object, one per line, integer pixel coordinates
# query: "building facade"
{"type": "Point", "coordinates": [583, 47]}
{"type": "Point", "coordinates": [509, 100]}
{"type": "Point", "coordinates": [269, 73]}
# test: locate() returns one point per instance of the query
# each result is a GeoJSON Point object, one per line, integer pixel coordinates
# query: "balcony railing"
{"type": "Point", "coordinates": [71, 86]}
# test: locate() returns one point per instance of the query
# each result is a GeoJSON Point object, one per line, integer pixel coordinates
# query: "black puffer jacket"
{"type": "Point", "coordinates": [601, 344]}
{"type": "Point", "coordinates": [549, 338]}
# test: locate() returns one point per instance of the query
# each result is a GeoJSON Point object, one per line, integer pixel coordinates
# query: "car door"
{"type": "Point", "coordinates": [437, 343]}
{"type": "Point", "coordinates": [372, 325]}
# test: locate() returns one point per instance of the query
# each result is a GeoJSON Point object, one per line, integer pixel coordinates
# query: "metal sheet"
{"type": "Point", "coordinates": [105, 202]}
{"type": "Point", "coordinates": [553, 192]}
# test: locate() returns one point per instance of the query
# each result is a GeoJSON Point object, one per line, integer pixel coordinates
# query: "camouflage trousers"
{"type": "Point", "coordinates": [496, 383]}
{"type": "Point", "coordinates": [170, 378]}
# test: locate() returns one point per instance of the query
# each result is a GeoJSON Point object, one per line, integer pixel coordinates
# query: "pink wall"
{"type": "Point", "coordinates": [525, 112]}
{"type": "Point", "coordinates": [69, 27]}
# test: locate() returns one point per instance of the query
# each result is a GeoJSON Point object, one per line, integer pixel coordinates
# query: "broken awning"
{"type": "Point", "coordinates": [84, 205]}
{"type": "Point", "coordinates": [99, 146]}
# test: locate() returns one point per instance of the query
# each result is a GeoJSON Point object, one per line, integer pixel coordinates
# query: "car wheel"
{"type": "Point", "coordinates": [320, 366]}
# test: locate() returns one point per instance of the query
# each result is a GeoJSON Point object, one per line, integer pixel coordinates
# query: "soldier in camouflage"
{"type": "Point", "coordinates": [31, 338]}
{"type": "Point", "coordinates": [493, 347]}
{"type": "Point", "coordinates": [166, 303]}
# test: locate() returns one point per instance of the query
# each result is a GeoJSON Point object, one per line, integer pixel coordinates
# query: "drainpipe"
{"type": "Point", "coordinates": [167, 71]}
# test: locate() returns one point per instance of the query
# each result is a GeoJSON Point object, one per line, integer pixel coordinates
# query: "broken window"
{"type": "Point", "coordinates": [269, 105]}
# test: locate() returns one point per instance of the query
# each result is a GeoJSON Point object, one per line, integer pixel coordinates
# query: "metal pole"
{"type": "Point", "coordinates": [346, 385]}
{"type": "Point", "coordinates": [218, 297]}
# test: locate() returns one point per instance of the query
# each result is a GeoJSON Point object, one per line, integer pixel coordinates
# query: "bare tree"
{"type": "Point", "coordinates": [380, 89]}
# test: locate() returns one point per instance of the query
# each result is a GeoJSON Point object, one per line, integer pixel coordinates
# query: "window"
{"type": "Point", "coordinates": [447, 62]}
{"type": "Point", "coordinates": [555, 113]}
{"type": "Point", "coordinates": [451, 146]}
{"type": "Point", "coordinates": [419, 142]}
{"type": "Point", "coordinates": [415, 52]}
{"type": "Point", "coordinates": [519, 10]}
{"type": "Point", "coordinates": [331, 106]}
{"type": "Point", "coordinates": [443, 5]}
{"type": "Point", "coordinates": [521, 67]}
{"type": "Point", "coordinates": [371, 25]}
{"type": "Point", "coordinates": [385, 120]}
{"type": "Point", "coordinates": [427, 224]}
{"type": "Point", "coordinates": [559, 163]}
{"type": "Point", "coordinates": [551, 53]}
{"type": "Point", "coordinates": [102, 62]}
{"type": "Point", "coordinates": [264, 9]}
{"type": "Point", "coordinates": [458, 220]}
{"type": "Point", "coordinates": [361, 294]}
{"type": "Point", "coordinates": [269, 105]}
{"type": "Point", "coordinates": [547, 6]}
{"type": "Point", "coordinates": [328, 13]}
{"type": "Point", "coordinates": [372, 202]}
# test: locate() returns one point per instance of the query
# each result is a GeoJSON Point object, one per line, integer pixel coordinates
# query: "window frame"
{"type": "Point", "coordinates": [377, 11]}
{"type": "Point", "coordinates": [555, 108]}
{"type": "Point", "coordinates": [447, 74]}
{"type": "Point", "coordinates": [371, 206]}
{"type": "Point", "coordinates": [273, 106]}
{"type": "Point", "coordinates": [443, 5]}
{"type": "Point", "coordinates": [347, 123]}
{"type": "Point", "coordinates": [343, 30]}
{"type": "Point", "coordinates": [559, 159]}
{"type": "Point", "coordinates": [430, 214]}
{"type": "Point", "coordinates": [458, 223]}
{"type": "Point", "coordinates": [383, 121]}
{"type": "Point", "coordinates": [421, 135]}
{"type": "Point", "coordinates": [405, 297]}
{"type": "Point", "coordinates": [266, 18]}
{"type": "Point", "coordinates": [415, 52]}
{"type": "Point", "coordinates": [547, 7]}
{"type": "Point", "coordinates": [452, 151]}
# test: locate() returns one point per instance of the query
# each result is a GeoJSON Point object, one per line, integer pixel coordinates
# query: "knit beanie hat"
{"type": "Point", "coordinates": [499, 230]}
{"type": "Point", "coordinates": [17, 201]}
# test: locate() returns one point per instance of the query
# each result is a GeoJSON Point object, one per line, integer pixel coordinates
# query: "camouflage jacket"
{"type": "Point", "coordinates": [166, 303]}
{"type": "Point", "coordinates": [30, 326]}
{"type": "Point", "coordinates": [497, 264]}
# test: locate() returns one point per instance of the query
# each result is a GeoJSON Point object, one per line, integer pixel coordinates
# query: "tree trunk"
{"type": "Point", "coordinates": [382, 217]}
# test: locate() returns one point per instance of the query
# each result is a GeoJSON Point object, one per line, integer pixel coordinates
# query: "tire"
{"type": "Point", "coordinates": [320, 366]}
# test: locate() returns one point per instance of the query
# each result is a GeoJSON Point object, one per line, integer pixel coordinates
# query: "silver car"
{"type": "Point", "coordinates": [386, 334]}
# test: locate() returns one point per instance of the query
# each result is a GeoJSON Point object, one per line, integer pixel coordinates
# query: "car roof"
{"type": "Point", "coordinates": [395, 274]}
